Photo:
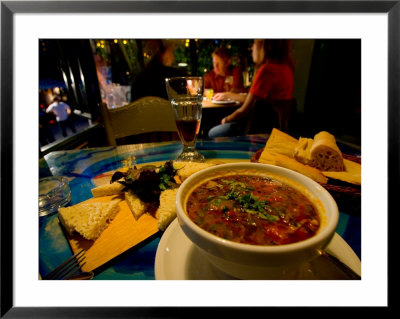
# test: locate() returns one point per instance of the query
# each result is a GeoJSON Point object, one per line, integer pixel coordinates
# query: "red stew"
{"type": "Point", "coordinates": [253, 210]}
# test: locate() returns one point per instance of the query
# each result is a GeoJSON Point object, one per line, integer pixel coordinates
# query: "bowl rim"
{"type": "Point", "coordinates": [327, 231]}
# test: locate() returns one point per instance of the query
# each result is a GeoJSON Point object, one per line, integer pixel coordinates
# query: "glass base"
{"type": "Point", "coordinates": [190, 156]}
{"type": "Point", "coordinates": [54, 192]}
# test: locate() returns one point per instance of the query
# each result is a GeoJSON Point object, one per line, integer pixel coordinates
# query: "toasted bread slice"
{"type": "Point", "coordinates": [107, 189]}
{"type": "Point", "coordinates": [185, 169]}
{"type": "Point", "coordinates": [88, 219]}
{"type": "Point", "coordinates": [166, 213]}
{"type": "Point", "coordinates": [135, 204]}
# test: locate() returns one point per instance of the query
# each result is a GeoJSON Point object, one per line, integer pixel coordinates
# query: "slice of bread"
{"type": "Point", "coordinates": [166, 212]}
{"type": "Point", "coordinates": [325, 153]}
{"type": "Point", "coordinates": [88, 219]}
{"type": "Point", "coordinates": [107, 189]}
{"type": "Point", "coordinates": [302, 151]}
{"type": "Point", "coordinates": [185, 169]}
{"type": "Point", "coordinates": [321, 152]}
{"type": "Point", "coordinates": [135, 204]}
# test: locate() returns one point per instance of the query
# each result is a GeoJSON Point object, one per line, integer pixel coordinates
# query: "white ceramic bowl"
{"type": "Point", "coordinates": [247, 261]}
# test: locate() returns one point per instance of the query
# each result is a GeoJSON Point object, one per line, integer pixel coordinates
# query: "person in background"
{"type": "Point", "coordinates": [273, 81]}
{"type": "Point", "coordinates": [151, 80]}
{"type": "Point", "coordinates": [45, 134]}
{"type": "Point", "coordinates": [62, 112]}
{"type": "Point", "coordinates": [223, 77]}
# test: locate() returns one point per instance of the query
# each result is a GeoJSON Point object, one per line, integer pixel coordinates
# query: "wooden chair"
{"type": "Point", "coordinates": [149, 119]}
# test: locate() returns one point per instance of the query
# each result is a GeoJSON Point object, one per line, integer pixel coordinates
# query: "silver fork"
{"type": "Point", "coordinates": [68, 268]}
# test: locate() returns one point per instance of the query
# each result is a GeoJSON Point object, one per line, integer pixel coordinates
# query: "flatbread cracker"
{"type": "Point", "coordinates": [291, 163]}
{"type": "Point", "coordinates": [281, 143]}
{"type": "Point", "coordinates": [351, 174]}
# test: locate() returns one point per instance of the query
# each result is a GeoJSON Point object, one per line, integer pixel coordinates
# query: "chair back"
{"type": "Point", "coordinates": [145, 115]}
{"type": "Point", "coordinates": [271, 113]}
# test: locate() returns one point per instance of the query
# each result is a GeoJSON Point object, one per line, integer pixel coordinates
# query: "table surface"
{"type": "Point", "coordinates": [82, 166]}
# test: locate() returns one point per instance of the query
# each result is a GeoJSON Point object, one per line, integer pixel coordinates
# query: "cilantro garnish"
{"type": "Point", "coordinates": [249, 202]}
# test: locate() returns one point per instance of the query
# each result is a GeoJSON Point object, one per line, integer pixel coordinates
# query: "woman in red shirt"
{"type": "Point", "coordinates": [273, 81]}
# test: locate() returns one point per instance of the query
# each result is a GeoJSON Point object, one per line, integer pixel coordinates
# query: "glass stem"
{"type": "Point", "coordinates": [189, 147]}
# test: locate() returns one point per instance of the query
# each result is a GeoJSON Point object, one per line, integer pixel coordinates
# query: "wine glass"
{"type": "Point", "coordinates": [186, 96]}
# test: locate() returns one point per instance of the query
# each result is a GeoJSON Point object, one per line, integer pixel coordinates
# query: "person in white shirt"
{"type": "Point", "coordinates": [62, 113]}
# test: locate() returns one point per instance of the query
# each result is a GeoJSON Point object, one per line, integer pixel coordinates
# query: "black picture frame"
{"type": "Point", "coordinates": [9, 8]}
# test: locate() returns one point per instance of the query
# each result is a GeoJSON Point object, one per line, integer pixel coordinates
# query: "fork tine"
{"type": "Point", "coordinates": [75, 264]}
{"type": "Point", "coordinates": [72, 273]}
{"type": "Point", "coordinates": [60, 270]}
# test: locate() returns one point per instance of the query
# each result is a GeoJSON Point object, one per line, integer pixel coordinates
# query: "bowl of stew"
{"type": "Point", "coordinates": [256, 221]}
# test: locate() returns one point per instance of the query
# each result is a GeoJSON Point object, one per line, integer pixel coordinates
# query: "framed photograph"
{"type": "Point", "coordinates": [24, 23]}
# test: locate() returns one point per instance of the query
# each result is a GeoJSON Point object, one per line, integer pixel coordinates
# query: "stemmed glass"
{"type": "Point", "coordinates": [186, 96]}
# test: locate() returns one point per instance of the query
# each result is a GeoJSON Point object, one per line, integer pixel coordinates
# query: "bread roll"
{"type": "Point", "coordinates": [302, 151]}
{"type": "Point", "coordinates": [325, 154]}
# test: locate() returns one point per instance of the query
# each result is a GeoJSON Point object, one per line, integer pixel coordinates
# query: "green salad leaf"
{"type": "Point", "coordinates": [148, 181]}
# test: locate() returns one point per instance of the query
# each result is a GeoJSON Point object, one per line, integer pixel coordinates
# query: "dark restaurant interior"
{"type": "Point", "coordinates": [89, 73]}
